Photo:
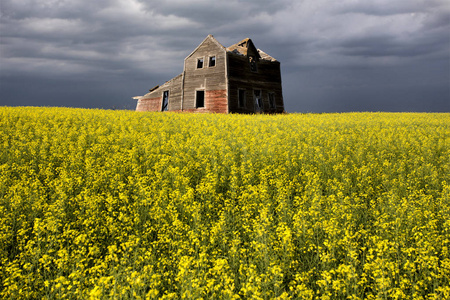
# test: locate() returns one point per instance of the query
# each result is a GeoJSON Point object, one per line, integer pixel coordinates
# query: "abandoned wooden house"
{"type": "Point", "coordinates": [237, 79]}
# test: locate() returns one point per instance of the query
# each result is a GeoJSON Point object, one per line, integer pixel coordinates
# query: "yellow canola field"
{"type": "Point", "coordinates": [118, 204]}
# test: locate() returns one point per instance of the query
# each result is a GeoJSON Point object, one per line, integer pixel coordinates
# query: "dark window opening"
{"type": "Point", "coordinates": [199, 63]}
{"type": "Point", "coordinates": [252, 61]}
{"type": "Point", "coordinates": [200, 99]}
{"type": "Point", "coordinates": [241, 98]}
{"type": "Point", "coordinates": [272, 100]}
{"type": "Point", "coordinates": [165, 101]}
{"type": "Point", "coordinates": [258, 100]}
{"type": "Point", "coordinates": [212, 61]}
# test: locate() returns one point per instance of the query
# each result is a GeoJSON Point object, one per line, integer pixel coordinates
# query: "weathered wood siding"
{"type": "Point", "coordinates": [211, 80]}
{"type": "Point", "coordinates": [149, 104]}
{"type": "Point", "coordinates": [267, 78]}
{"type": "Point", "coordinates": [153, 101]}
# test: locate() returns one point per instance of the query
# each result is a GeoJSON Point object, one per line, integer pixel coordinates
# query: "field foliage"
{"type": "Point", "coordinates": [118, 204]}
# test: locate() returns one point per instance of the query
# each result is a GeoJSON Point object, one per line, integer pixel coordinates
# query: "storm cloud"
{"type": "Point", "coordinates": [381, 55]}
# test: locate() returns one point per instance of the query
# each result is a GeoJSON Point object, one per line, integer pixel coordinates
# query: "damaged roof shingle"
{"type": "Point", "coordinates": [265, 56]}
{"type": "Point", "coordinates": [243, 46]}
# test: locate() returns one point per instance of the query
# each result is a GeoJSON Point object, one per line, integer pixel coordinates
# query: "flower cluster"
{"type": "Point", "coordinates": [99, 204]}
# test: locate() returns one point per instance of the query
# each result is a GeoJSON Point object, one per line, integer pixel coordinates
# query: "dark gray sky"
{"type": "Point", "coordinates": [336, 56]}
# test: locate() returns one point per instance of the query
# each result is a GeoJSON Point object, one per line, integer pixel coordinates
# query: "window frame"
{"type": "Point", "coordinates": [209, 61]}
{"type": "Point", "coordinates": [202, 59]}
{"type": "Point", "coordinates": [162, 102]}
{"type": "Point", "coordinates": [244, 102]}
{"type": "Point", "coordinates": [196, 98]}
{"type": "Point", "coordinates": [274, 102]}
{"type": "Point", "coordinates": [252, 61]}
{"type": "Point", "coordinates": [260, 105]}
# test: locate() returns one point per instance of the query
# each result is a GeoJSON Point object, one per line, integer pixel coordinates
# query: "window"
{"type": "Point", "coordinates": [272, 100]}
{"type": "Point", "coordinates": [200, 99]}
{"type": "Point", "coordinates": [241, 98]}
{"type": "Point", "coordinates": [199, 63]}
{"type": "Point", "coordinates": [212, 61]}
{"type": "Point", "coordinates": [252, 61]}
{"type": "Point", "coordinates": [258, 100]}
{"type": "Point", "coordinates": [165, 101]}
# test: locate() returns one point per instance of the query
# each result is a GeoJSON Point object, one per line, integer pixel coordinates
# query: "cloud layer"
{"type": "Point", "coordinates": [335, 55]}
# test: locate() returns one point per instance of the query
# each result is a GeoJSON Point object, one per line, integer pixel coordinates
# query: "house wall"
{"type": "Point", "coordinates": [267, 79]}
{"type": "Point", "coordinates": [149, 104]}
{"type": "Point", "coordinates": [211, 80]}
{"type": "Point", "coordinates": [152, 101]}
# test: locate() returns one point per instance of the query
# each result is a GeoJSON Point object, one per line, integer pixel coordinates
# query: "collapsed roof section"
{"type": "Point", "coordinates": [265, 56]}
{"type": "Point", "coordinates": [245, 46]}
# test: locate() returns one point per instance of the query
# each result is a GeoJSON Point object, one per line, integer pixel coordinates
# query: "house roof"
{"type": "Point", "coordinates": [243, 46]}
{"type": "Point", "coordinates": [158, 87]}
{"type": "Point", "coordinates": [265, 56]}
{"type": "Point", "coordinates": [209, 37]}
